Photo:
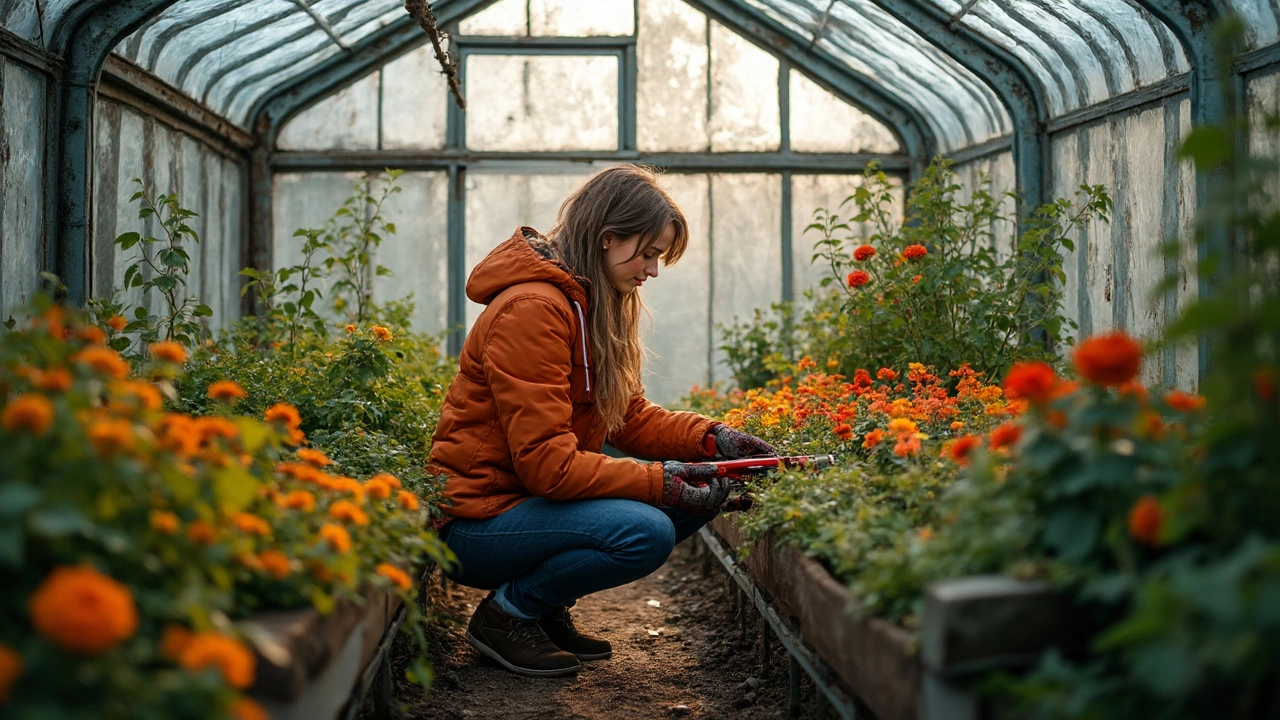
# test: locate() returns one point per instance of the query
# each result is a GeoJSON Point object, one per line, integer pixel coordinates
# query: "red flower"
{"type": "Point", "coordinates": [1034, 381]}
{"type": "Point", "coordinates": [1110, 360]}
{"type": "Point", "coordinates": [858, 278]}
{"type": "Point", "coordinates": [962, 448]}
{"type": "Point", "coordinates": [1005, 435]}
{"type": "Point", "coordinates": [915, 252]}
{"type": "Point", "coordinates": [1184, 401]}
{"type": "Point", "coordinates": [843, 431]}
{"type": "Point", "coordinates": [1145, 519]}
{"type": "Point", "coordinates": [866, 252]}
{"type": "Point", "coordinates": [887, 374]}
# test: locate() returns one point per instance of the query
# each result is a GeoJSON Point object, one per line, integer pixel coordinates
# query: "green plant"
{"type": "Point", "coordinates": [353, 235]}
{"type": "Point", "coordinates": [286, 302]}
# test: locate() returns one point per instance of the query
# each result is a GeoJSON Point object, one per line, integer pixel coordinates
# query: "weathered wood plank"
{"type": "Point", "coordinates": [1066, 182]}
{"type": "Point", "coordinates": [22, 150]}
{"type": "Point", "coordinates": [1143, 155]}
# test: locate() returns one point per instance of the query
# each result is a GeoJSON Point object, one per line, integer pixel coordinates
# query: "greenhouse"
{"type": "Point", "coordinates": [328, 386]}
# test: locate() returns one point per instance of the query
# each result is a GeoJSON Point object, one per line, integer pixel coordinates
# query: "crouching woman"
{"type": "Point", "coordinates": [549, 373]}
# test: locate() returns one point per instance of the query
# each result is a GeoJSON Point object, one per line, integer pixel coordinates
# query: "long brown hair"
{"type": "Point", "coordinates": [624, 201]}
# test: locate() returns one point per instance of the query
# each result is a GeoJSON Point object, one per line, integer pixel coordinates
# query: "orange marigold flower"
{"type": "Point", "coordinates": [844, 431]}
{"type": "Point", "coordinates": [1006, 435]}
{"type": "Point", "coordinates": [1184, 401]}
{"type": "Point", "coordinates": [300, 500]}
{"type": "Point", "coordinates": [83, 611]}
{"type": "Point", "coordinates": [956, 426]}
{"type": "Point", "coordinates": [887, 374]}
{"type": "Point", "coordinates": [283, 413]}
{"type": "Point", "coordinates": [117, 322]}
{"type": "Point", "coordinates": [1110, 360]}
{"type": "Point", "coordinates": [381, 333]}
{"type": "Point", "coordinates": [29, 413]}
{"type": "Point", "coordinates": [398, 577]}
{"type": "Point", "coordinates": [389, 479]}
{"type": "Point", "coordinates": [275, 563]}
{"type": "Point", "coordinates": [216, 427]}
{"type": "Point", "coordinates": [1133, 389]}
{"type": "Point", "coordinates": [111, 435]}
{"type": "Point", "coordinates": [103, 360]}
{"type": "Point", "coordinates": [227, 391]}
{"type": "Point", "coordinates": [172, 639]}
{"type": "Point", "coordinates": [314, 457]}
{"type": "Point", "coordinates": [864, 253]}
{"type": "Point", "coordinates": [336, 536]}
{"type": "Point", "coordinates": [168, 351]}
{"type": "Point", "coordinates": [350, 485]}
{"type": "Point", "coordinates": [857, 278]}
{"type": "Point", "coordinates": [350, 329]}
{"type": "Point", "coordinates": [245, 709]}
{"type": "Point", "coordinates": [347, 511]}
{"type": "Point", "coordinates": [960, 450]}
{"type": "Point", "coordinates": [1033, 381]}
{"type": "Point", "coordinates": [92, 334]}
{"type": "Point", "coordinates": [832, 364]}
{"type": "Point", "coordinates": [223, 653]}
{"type": "Point", "coordinates": [251, 524]}
{"type": "Point", "coordinates": [145, 394]}
{"type": "Point", "coordinates": [873, 438]}
{"type": "Point", "coordinates": [407, 500]}
{"type": "Point", "coordinates": [179, 434]}
{"type": "Point", "coordinates": [165, 522]}
{"type": "Point", "coordinates": [10, 669]}
{"type": "Point", "coordinates": [907, 445]}
{"type": "Point", "coordinates": [201, 532]}
{"type": "Point", "coordinates": [378, 488]}
{"type": "Point", "coordinates": [916, 279]}
{"type": "Point", "coordinates": [56, 380]}
{"type": "Point", "coordinates": [914, 252]}
{"type": "Point", "coordinates": [1145, 520]}
{"type": "Point", "coordinates": [902, 426]}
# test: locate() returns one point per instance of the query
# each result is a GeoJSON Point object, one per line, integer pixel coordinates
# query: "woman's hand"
{"type": "Point", "coordinates": [679, 490]}
{"type": "Point", "coordinates": [733, 444]}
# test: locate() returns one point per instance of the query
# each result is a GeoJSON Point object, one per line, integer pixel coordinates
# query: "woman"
{"type": "Point", "coordinates": [548, 374]}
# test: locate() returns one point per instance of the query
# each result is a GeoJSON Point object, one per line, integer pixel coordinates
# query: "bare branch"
{"type": "Point", "coordinates": [420, 10]}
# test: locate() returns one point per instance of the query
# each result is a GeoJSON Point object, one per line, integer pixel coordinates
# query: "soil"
{"type": "Point", "coordinates": [678, 651]}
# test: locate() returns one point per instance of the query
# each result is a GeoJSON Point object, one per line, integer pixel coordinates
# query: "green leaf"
{"type": "Point", "coordinates": [17, 498]}
{"type": "Point", "coordinates": [184, 487]}
{"type": "Point", "coordinates": [140, 313]}
{"type": "Point", "coordinates": [58, 521]}
{"type": "Point", "coordinates": [12, 543]}
{"type": "Point", "coordinates": [1209, 146]}
{"type": "Point", "coordinates": [253, 434]}
{"type": "Point", "coordinates": [234, 487]}
{"type": "Point", "coordinates": [128, 240]}
{"type": "Point", "coordinates": [202, 310]}
{"type": "Point", "coordinates": [1072, 531]}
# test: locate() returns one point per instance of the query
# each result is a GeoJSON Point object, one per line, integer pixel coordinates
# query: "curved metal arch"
{"type": "Point", "coordinates": [1008, 77]}
{"type": "Point", "coordinates": [84, 38]}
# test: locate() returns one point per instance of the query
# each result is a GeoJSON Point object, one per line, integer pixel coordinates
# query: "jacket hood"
{"type": "Point", "coordinates": [516, 261]}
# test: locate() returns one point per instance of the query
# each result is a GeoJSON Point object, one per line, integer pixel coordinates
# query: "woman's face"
{"type": "Point", "coordinates": [628, 273]}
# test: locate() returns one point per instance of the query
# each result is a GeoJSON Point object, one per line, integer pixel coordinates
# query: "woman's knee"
{"type": "Point", "coordinates": [644, 534]}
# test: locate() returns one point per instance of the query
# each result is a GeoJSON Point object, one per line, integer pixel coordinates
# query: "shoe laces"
{"type": "Point", "coordinates": [521, 631]}
{"type": "Point", "coordinates": [562, 617]}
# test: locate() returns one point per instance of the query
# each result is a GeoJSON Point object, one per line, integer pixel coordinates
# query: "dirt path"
{"type": "Point", "coordinates": [677, 652]}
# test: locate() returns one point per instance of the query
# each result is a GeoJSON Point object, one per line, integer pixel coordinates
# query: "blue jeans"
{"type": "Point", "coordinates": [542, 554]}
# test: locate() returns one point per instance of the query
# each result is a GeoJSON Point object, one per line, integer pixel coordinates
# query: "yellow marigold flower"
{"type": "Point", "coordinates": [103, 360]}
{"type": "Point", "coordinates": [336, 536]}
{"type": "Point", "coordinates": [201, 532]}
{"type": "Point", "coordinates": [28, 413]}
{"type": "Point", "coordinates": [228, 391]}
{"type": "Point", "coordinates": [224, 653]}
{"type": "Point", "coordinates": [83, 611]}
{"type": "Point", "coordinates": [168, 351]}
{"type": "Point", "coordinates": [173, 639]}
{"type": "Point", "coordinates": [389, 479]}
{"type": "Point", "coordinates": [117, 322]}
{"type": "Point", "coordinates": [347, 511]}
{"type": "Point", "coordinates": [381, 333]}
{"type": "Point", "coordinates": [283, 413]}
{"type": "Point", "coordinates": [902, 426]}
{"type": "Point", "coordinates": [251, 524]}
{"type": "Point", "coordinates": [245, 709]}
{"type": "Point", "coordinates": [398, 577]}
{"type": "Point", "coordinates": [10, 669]}
{"type": "Point", "coordinates": [314, 457]}
{"type": "Point", "coordinates": [165, 522]}
{"type": "Point", "coordinates": [56, 380]}
{"type": "Point", "coordinates": [111, 435]}
{"type": "Point", "coordinates": [275, 563]}
{"type": "Point", "coordinates": [407, 500]}
{"type": "Point", "coordinates": [378, 488]}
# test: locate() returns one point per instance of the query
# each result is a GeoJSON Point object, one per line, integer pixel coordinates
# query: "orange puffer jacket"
{"type": "Point", "coordinates": [520, 420]}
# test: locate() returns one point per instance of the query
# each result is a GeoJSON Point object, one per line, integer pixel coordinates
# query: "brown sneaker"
{"type": "Point", "coordinates": [517, 645]}
{"type": "Point", "coordinates": [558, 625]}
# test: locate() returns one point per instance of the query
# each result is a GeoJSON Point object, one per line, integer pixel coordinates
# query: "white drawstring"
{"type": "Point", "coordinates": [582, 324]}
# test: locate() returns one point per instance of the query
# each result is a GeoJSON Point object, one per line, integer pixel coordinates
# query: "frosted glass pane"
{"type": "Point", "coordinates": [671, 52]}
{"type": "Point", "coordinates": [679, 339]}
{"type": "Point", "coordinates": [808, 193]}
{"type": "Point", "coordinates": [307, 200]}
{"type": "Point", "coordinates": [744, 94]}
{"type": "Point", "coordinates": [746, 248]}
{"type": "Point", "coordinates": [414, 97]}
{"type": "Point", "coordinates": [822, 122]}
{"type": "Point", "coordinates": [418, 254]}
{"type": "Point", "coordinates": [574, 18]}
{"type": "Point", "coordinates": [522, 102]}
{"type": "Point", "coordinates": [505, 17]}
{"type": "Point", "coordinates": [498, 204]}
{"type": "Point", "coordinates": [1259, 18]}
{"type": "Point", "coordinates": [346, 121]}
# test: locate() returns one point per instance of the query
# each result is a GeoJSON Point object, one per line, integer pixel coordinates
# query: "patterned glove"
{"type": "Point", "coordinates": [679, 489]}
{"type": "Point", "coordinates": [734, 445]}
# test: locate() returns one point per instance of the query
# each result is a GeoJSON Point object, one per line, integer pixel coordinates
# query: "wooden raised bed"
{"type": "Point", "coordinates": [969, 624]}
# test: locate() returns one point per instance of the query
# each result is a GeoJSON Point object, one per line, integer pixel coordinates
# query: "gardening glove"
{"type": "Point", "coordinates": [696, 488]}
{"type": "Point", "coordinates": [733, 444]}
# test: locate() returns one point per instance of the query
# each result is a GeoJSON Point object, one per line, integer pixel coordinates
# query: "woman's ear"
{"type": "Point", "coordinates": [608, 239]}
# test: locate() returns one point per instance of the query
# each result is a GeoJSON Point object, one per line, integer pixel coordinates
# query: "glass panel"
{"type": "Point", "coordinates": [498, 204]}
{"type": "Point", "coordinates": [1260, 20]}
{"type": "Point", "coordinates": [822, 122]}
{"type": "Point", "coordinates": [671, 112]}
{"type": "Point", "coordinates": [542, 102]}
{"type": "Point", "coordinates": [414, 97]}
{"type": "Point", "coordinates": [505, 17]}
{"type": "Point", "coordinates": [574, 18]}
{"type": "Point", "coordinates": [346, 121]}
{"type": "Point", "coordinates": [418, 253]}
{"type": "Point", "coordinates": [744, 94]}
{"type": "Point", "coordinates": [746, 248]}
{"type": "Point", "coordinates": [808, 193]}
{"type": "Point", "coordinates": [679, 299]}
{"type": "Point", "coordinates": [306, 200]}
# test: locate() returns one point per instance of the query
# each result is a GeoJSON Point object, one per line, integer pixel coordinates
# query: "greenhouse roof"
{"type": "Point", "coordinates": [233, 54]}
